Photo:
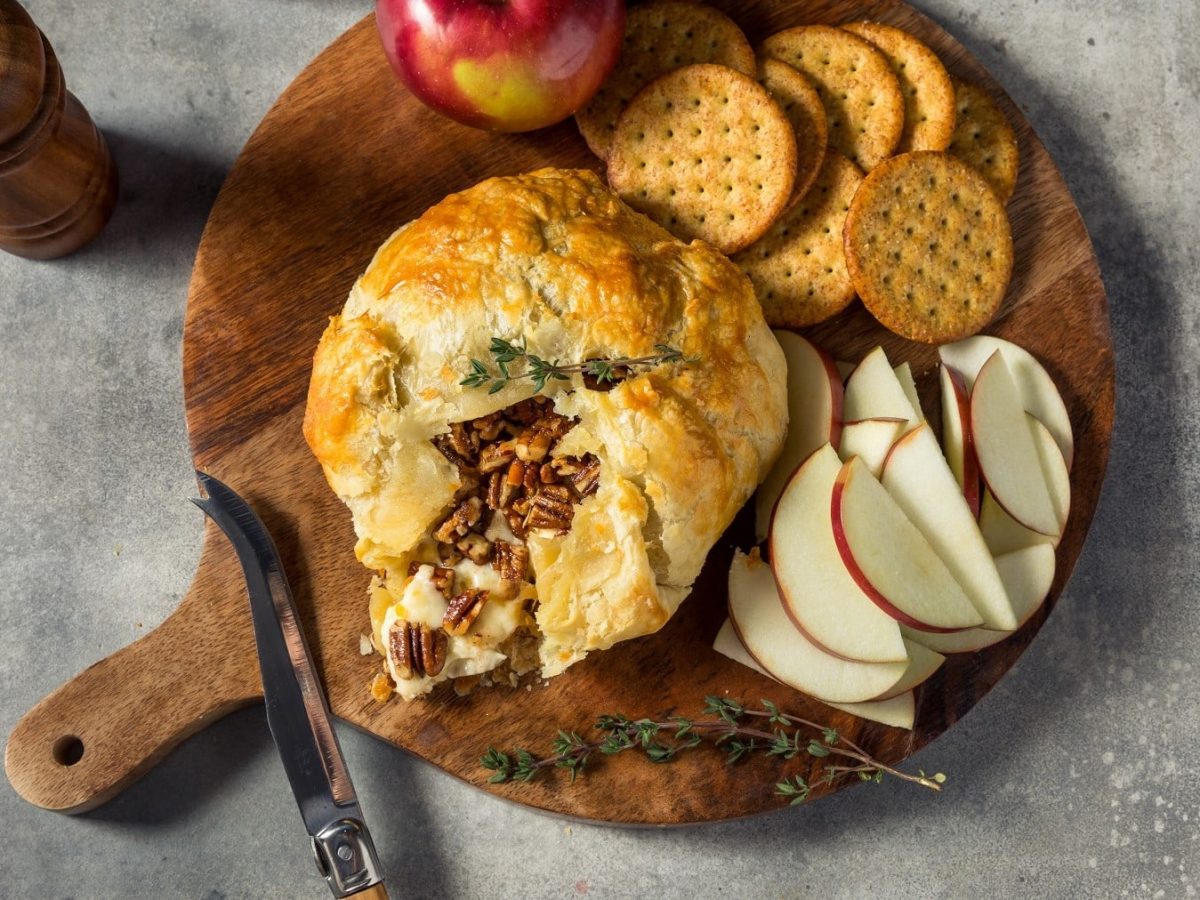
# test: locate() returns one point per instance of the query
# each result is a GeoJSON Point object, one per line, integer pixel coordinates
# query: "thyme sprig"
{"type": "Point", "coordinates": [507, 353]}
{"type": "Point", "coordinates": [732, 727]}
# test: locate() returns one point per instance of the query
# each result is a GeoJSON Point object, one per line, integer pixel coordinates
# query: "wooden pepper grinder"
{"type": "Point", "coordinates": [58, 185]}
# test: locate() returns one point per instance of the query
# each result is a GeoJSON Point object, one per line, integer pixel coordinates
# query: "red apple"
{"type": "Point", "coordinates": [502, 65]}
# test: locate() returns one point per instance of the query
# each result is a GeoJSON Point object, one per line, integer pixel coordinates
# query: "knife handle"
{"type": "Point", "coordinates": [374, 892]}
{"type": "Point", "coordinates": [104, 728]}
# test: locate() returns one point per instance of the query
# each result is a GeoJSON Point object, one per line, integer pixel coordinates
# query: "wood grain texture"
{"type": "Point", "coordinates": [58, 184]}
{"type": "Point", "coordinates": [343, 158]}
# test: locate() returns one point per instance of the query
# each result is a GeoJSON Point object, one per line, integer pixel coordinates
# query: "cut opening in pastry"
{"type": "Point", "coordinates": [466, 604]}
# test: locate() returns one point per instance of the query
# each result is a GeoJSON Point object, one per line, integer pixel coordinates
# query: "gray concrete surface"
{"type": "Point", "coordinates": [1077, 777]}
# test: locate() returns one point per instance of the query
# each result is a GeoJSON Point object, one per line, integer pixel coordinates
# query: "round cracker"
{"type": "Point", "coordinates": [984, 139]}
{"type": "Point", "coordinates": [929, 112]}
{"type": "Point", "coordinates": [659, 37]}
{"type": "Point", "coordinates": [798, 268]}
{"type": "Point", "coordinates": [929, 247]}
{"type": "Point", "coordinates": [802, 105]}
{"type": "Point", "coordinates": [707, 153]}
{"type": "Point", "coordinates": [861, 95]}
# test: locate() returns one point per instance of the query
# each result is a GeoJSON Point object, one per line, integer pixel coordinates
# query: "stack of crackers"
{"type": "Point", "coordinates": [833, 162]}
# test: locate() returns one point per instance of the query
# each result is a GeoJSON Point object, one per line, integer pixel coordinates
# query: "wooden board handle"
{"type": "Point", "coordinates": [112, 722]}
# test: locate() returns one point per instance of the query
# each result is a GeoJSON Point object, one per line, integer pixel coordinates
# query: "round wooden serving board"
{"type": "Point", "coordinates": [344, 157]}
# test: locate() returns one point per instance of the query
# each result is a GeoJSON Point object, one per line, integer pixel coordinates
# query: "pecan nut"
{"type": "Point", "coordinates": [464, 610]}
{"type": "Point", "coordinates": [477, 548]}
{"type": "Point", "coordinates": [533, 445]}
{"type": "Point", "coordinates": [499, 492]}
{"type": "Point", "coordinates": [459, 445]}
{"type": "Point", "coordinates": [489, 426]}
{"type": "Point", "coordinates": [465, 516]}
{"type": "Point", "coordinates": [496, 456]}
{"type": "Point", "coordinates": [417, 650]}
{"type": "Point", "coordinates": [552, 509]}
{"type": "Point", "coordinates": [433, 645]}
{"type": "Point", "coordinates": [511, 561]}
{"type": "Point", "coordinates": [587, 479]}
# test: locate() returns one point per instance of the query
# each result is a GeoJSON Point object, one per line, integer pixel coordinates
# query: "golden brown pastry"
{"type": "Point", "coordinates": [513, 533]}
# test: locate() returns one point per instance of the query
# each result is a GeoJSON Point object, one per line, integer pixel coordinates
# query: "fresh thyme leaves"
{"type": "Point", "coordinates": [730, 726]}
{"type": "Point", "coordinates": [539, 371]}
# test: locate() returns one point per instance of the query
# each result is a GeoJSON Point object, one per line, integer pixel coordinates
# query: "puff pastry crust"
{"type": "Point", "coordinates": [556, 258]}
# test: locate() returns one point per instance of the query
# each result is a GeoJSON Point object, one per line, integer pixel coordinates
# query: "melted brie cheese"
{"type": "Point", "coordinates": [471, 654]}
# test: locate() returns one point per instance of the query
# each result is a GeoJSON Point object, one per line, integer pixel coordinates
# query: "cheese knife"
{"type": "Point", "coordinates": [297, 711]}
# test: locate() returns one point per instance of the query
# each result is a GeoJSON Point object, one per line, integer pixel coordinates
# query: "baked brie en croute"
{"type": "Point", "coordinates": [514, 531]}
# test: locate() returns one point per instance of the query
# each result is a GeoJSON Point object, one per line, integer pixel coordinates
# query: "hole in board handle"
{"type": "Point", "coordinates": [67, 750]}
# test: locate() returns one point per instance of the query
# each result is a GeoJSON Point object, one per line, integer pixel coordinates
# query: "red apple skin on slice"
{"type": "Point", "coordinates": [1008, 458]}
{"type": "Point", "coordinates": [814, 390]}
{"type": "Point", "coordinates": [890, 559]}
{"type": "Point", "coordinates": [918, 478]}
{"type": "Point", "coordinates": [956, 436]}
{"type": "Point", "coordinates": [871, 440]}
{"type": "Point", "coordinates": [1027, 575]}
{"type": "Point", "coordinates": [1002, 532]}
{"type": "Point", "coordinates": [783, 652]}
{"type": "Point", "coordinates": [922, 661]}
{"type": "Point", "coordinates": [1039, 395]}
{"type": "Point", "coordinates": [898, 711]}
{"type": "Point", "coordinates": [817, 593]}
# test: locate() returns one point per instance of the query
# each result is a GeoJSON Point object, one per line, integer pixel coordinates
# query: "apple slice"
{"type": "Point", "coordinates": [814, 417]}
{"type": "Point", "coordinates": [784, 653]}
{"type": "Point", "coordinates": [871, 440]}
{"type": "Point", "coordinates": [898, 711]}
{"type": "Point", "coordinates": [1027, 575]}
{"type": "Point", "coordinates": [844, 369]}
{"type": "Point", "coordinates": [1054, 469]}
{"type": "Point", "coordinates": [728, 644]}
{"type": "Point", "coordinates": [1008, 457]}
{"type": "Point", "coordinates": [890, 559]}
{"type": "Point", "coordinates": [920, 481]}
{"type": "Point", "coordinates": [904, 375]}
{"type": "Point", "coordinates": [1001, 531]}
{"type": "Point", "coordinates": [874, 392]}
{"type": "Point", "coordinates": [956, 436]}
{"type": "Point", "coordinates": [1039, 396]}
{"type": "Point", "coordinates": [1004, 534]}
{"type": "Point", "coordinates": [922, 663]}
{"type": "Point", "coordinates": [816, 591]}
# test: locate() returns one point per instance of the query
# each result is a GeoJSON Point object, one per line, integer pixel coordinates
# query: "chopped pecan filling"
{"type": "Point", "coordinates": [507, 468]}
{"type": "Point", "coordinates": [505, 462]}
